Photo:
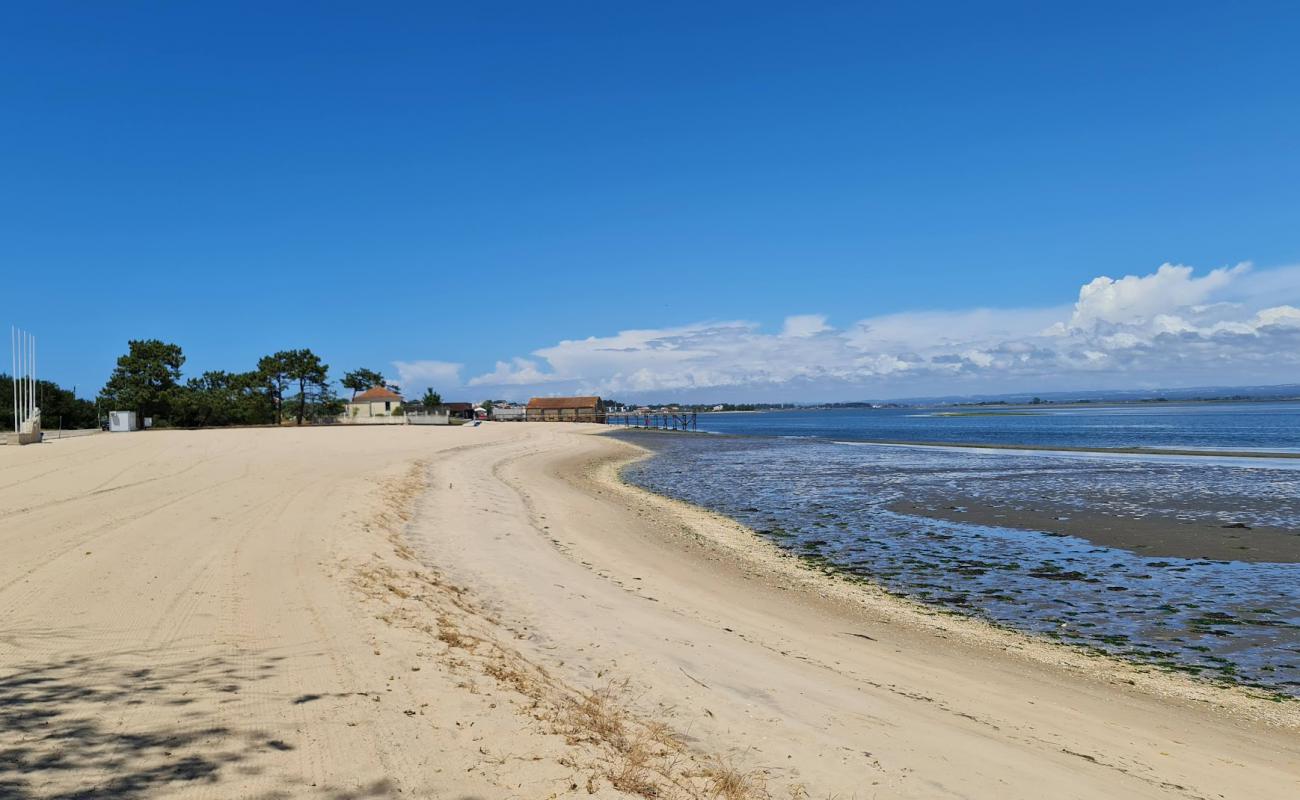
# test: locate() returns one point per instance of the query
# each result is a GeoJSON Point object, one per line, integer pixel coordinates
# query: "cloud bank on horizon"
{"type": "Point", "coordinates": [1172, 327]}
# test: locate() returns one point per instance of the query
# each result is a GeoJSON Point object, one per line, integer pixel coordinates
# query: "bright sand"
{"type": "Point", "coordinates": [488, 613]}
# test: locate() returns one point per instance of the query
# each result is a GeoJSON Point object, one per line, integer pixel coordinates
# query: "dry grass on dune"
{"type": "Point", "coordinates": [636, 755]}
{"type": "Point", "coordinates": [609, 739]}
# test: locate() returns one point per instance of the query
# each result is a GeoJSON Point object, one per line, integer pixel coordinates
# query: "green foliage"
{"type": "Point", "coordinates": [361, 379]}
{"type": "Point", "coordinates": [431, 399]}
{"type": "Point", "coordinates": [328, 405]}
{"type": "Point", "coordinates": [59, 407]}
{"type": "Point", "coordinates": [224, 398]}
{"type": "Point", "coordinates": [273, 371]}
{"type": "Point", "coordinates": [316, 407]}
{"type": "Point", "coordinates": [145, 379]}
{"type": "Point", "coordinates": [487, 406]}
{"type": "Point", "coordinates": [302, 369]}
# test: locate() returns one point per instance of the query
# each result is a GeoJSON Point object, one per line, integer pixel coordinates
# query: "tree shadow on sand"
{"type": "Point", "coordinates": [112, 727]}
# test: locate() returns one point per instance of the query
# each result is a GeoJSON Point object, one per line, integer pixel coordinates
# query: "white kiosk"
{"type": "Point", "coordinates": [123, 421]}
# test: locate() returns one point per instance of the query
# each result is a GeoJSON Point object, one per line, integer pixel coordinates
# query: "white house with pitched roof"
{"type": "Point", "coordinates": [378, 405]}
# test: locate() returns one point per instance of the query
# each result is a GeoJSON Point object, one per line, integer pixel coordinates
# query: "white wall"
{"type": "Point", "coordinates": [373, 411]}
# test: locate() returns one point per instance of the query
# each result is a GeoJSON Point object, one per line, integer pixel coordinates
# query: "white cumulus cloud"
{"type": "Point", "coordinates": [802, 325]}
{"type": "Point", "coordinates": [427, 374]}
{"type": "Point", "coordinates": [1135, 298]}
{"type": "Point", "coordinates": [1167, 328]}
{"type": "Point", "coordinates": [516, 372]}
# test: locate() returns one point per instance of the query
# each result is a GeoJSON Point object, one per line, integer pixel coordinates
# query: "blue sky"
{"type": "Point", "coordinates": [416, 186]}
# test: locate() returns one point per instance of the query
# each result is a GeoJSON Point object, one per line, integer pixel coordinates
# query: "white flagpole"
{"type": "Point", "coordinates": [22, 371]}
{"type": "Point", "coordinates": [26, 389]}
{"type": "Point", "coordinates": [22, 349]}
{"type": "Point", "coordinates": [13, 361]}
{"type": "Point", "coordinates": [27, 368]}
{"type": "Point", "coordinates": [22, 387]}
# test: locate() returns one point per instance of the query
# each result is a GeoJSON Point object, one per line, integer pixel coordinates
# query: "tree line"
{"type": "Point", "coordinates": [289, 385]}
{"type": "Point", "coordinates": [60, 408]}
{"type": "Point", "coordinates": [286, 385]}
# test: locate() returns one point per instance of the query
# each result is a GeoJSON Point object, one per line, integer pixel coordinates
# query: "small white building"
{"type": "Point", "coordinates": [122, 421]}
{"type": "Point", "coordinates": [377, 405]}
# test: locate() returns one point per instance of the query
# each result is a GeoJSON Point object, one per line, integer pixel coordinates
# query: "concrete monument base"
{"type": "Point", "coordinates": [34, 437]}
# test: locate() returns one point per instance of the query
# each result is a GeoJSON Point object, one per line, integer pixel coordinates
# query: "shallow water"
{"type": "Point", "coordinates": [831, 500]}
{"type": "Point", "coordinates": [1273, 426]}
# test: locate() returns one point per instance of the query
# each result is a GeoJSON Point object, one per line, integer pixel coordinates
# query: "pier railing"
{"type": "Point", "coordinates": [657, 420]}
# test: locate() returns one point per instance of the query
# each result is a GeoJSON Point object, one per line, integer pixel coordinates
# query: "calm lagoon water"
{"type": "Point", "coordinates": [805, 481]}
{"type": "Point", "coordinates": [1214, 426]}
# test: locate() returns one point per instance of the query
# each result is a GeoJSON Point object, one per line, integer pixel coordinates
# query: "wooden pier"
{"type": "Point", "coordinates": [654, 420]}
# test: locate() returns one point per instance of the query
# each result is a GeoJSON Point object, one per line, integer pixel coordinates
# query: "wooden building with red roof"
{"type": "Point", "coordinates": [566, 409]}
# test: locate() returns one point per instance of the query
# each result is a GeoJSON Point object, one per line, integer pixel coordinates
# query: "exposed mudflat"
{"type": "Point", "coordinates": [1188, 563]}
{"type": "Point", "coordinates": [1204, 537]}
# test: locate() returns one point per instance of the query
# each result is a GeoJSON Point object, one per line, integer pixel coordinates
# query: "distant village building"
{"type": "Point", "coordinates": [508, 413]}
{"type": "Point", "coordinates": [458, 410]}
{"type": "Point", "coordinates": [377, 405]}
{"type": "Point", "coordinates": [566, 409]}
{"type": "Point", "coordinates": [419, 415]}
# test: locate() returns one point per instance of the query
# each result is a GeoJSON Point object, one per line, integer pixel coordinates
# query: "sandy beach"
{"type": "Point", "coordinates": [385, 611]}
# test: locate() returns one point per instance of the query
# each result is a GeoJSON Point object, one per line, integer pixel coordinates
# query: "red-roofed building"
{"type": "Point", "coordinates": [566, 409]}
{"type": "Point", "coordinates": [373, 404]}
